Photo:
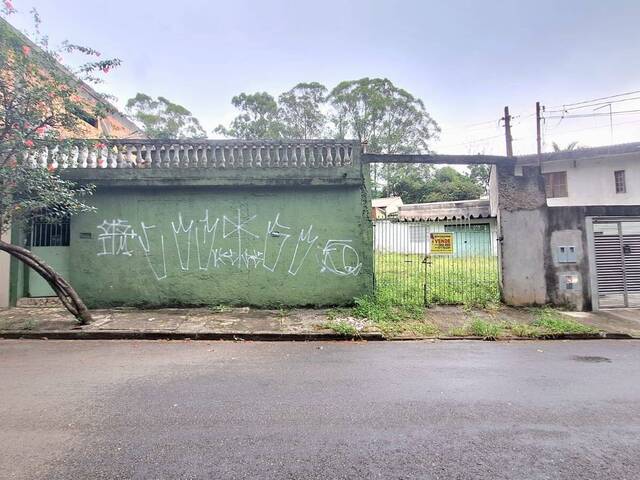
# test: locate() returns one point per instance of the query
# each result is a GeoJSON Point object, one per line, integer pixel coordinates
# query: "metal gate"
{"type": "Point", "coordinates": [49, 241]}
{"type": "Point", "coordinates": [441, 262]}
{"type": "Point", "coordinates": [616, 244]}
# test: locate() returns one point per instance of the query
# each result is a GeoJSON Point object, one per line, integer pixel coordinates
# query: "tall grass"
{"type": "Point", "coordinates": [405, 279]}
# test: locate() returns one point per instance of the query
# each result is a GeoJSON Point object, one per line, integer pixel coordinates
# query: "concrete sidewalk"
{"type": "Point", "coordinates": [178, 323]}
{"type": "Point", "coordinates": [225, 323]}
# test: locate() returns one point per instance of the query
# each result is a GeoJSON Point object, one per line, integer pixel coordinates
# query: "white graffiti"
{"type": "Point", "coordinates": [114, 237]}
{"type": "Point", "coordinates": [208, 229]}
{"type": "Point", "coordinates": [339, 257]}
{"type": "Point", "coordinates": [181, 230]}
{"type": "Point", "coordinates": [237, 228]}
{"type": "Point", "coordinates": [307, 242]}
{"type": "Point", "coordinates": [147, 251]}
{"type": "Point", "coordinates": [274, 231]}
{"type": "Point", "coordinates": [236, 247]}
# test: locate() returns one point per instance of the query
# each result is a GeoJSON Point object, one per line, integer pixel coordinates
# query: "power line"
{"type": "Point", "coordinates": [589, 115]}
{"type": "Point", "coordinates": [596, 127]}
{"type": "Point", "coordinates": [596, 99]}
{"type": "Point", "coordinates": [593, 105]}
{"type": "Point", "coordinates": [470, 142]}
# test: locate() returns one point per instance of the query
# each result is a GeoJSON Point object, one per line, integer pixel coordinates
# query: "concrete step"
{"type": "Point", "coordinates": [39, 302]}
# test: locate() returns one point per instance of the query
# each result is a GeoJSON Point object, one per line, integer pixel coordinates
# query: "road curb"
{"type": "Point", "coordinates": [276, 337]}
{"type": "Point", "coordinates": [160, 335]}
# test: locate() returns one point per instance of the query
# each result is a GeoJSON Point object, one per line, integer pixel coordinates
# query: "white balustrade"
{"type": "Point", "coordinates": [160, 154]}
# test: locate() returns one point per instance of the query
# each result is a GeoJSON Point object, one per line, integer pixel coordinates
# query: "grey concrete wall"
{"type": "Point", "coordinates": [522, 221]}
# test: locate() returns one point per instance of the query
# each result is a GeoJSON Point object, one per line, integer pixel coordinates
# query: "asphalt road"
{"type": "Point", "coordinates": [207, 410]}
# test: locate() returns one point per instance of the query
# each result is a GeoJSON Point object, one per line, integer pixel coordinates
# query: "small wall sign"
{"type": "Point", "coordinates": [442, 243]}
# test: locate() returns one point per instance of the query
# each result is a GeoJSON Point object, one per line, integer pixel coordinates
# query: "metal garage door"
{"type": "Point", "coordinates": [617, 260]}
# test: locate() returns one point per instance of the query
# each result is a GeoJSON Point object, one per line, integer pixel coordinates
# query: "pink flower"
{"type": "Point", "coordinates": [41, 130]}
{"type": "Point", "coordinates": [51, 168]}
{"type": "Point", "coordinates": [8, 5]}
{"type": "Point", "coordinates": [100, 145]}
{"type": "Point", "coordinates": [106, 69]}
{"type": "Point", "coordinates": [28, 143]}
{"type": "Point", "coordinates": [26, 49]}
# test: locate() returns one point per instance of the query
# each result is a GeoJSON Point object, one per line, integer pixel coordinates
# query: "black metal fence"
{"type": "Point", "coordinates": [444, 262]}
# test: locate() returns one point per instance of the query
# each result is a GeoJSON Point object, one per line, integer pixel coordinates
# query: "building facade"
{"type": "Point", "coordinates": [570, 228]}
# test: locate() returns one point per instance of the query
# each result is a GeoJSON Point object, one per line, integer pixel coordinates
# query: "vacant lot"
{"type": "Point", "coordinates": [445, 280]}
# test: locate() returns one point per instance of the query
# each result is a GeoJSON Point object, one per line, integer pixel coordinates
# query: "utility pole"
{"type": "Point", "coordinates": [538, 134]}
{"type": "Point", "coordinates": [507, 132]}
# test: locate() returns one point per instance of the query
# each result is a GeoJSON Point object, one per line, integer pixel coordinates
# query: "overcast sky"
{"type": "Point", "coordinates": [465, 59]}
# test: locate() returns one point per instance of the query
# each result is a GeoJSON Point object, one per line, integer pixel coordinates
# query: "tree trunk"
{"type": "Point", "coordinates": [64, 291]}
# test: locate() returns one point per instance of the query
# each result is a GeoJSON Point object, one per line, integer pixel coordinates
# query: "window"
{"type": "Point", "coordinates": [49, 233]}
{"type": "Point", "coordinates": [621, 182]}
{"type": "Point", "coordinates": [555, 184]}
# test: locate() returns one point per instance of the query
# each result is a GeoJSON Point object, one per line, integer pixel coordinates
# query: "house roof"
{"type": "Point", "coordinates": [581, 153]}
{"type": "Point", "coordinates": [465, 209]}
{"type": "Point", "coordinates": [386, 202]}
{"type": "Point", "coordinates": [82, 87]}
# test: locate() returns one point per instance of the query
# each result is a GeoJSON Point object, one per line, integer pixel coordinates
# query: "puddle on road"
{"type": "Point", "coordinates": [591, 359]}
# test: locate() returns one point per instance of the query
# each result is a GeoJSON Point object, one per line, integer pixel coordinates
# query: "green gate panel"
{"type": "Point", "coordinates": [58, 259]}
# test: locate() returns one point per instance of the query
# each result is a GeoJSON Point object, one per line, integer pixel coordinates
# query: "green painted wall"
{"type": "Point", "coordinates": [162, 245]}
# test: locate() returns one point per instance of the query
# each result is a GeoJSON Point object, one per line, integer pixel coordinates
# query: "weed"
{"type": "Point", "coordinates": [524, 330]}
{"type": "Point", "coordinates": [459, 332]}
{"type": "Point", "coordinates": [552, 321]}
{"type": "Point", "coordinates": [484, 329]}
{"type": "Point", "coordinates": [342, 327]}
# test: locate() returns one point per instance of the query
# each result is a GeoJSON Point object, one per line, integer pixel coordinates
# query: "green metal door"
{"type": "Point", "coordinates": [58, 259]}
{"type": "Point", "coordinates": [471, 240]}
{"type": "Point", "coordinates": [50, 242]}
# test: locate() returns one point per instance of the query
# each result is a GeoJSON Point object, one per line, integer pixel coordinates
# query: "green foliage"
{"type": "Point", "coordinates": [258, 118]}
{"type": "Point", "coordinates": [551, 321]}
{"type": "Point", "coordinates": [161, 118]}
{"type": "Point", "coordinates": [389, 118]}
{"type": "Point", "coordinates": [299, 110]}
{"type": "Point", "coordinates": [39, 103]}
{"type": "Point", "coordinates": [423, 183]}
{"type": "Point", "coordinates": [341, 327]}
{"type": "Point", "coordinates": [393, 318]}
{"type": "Point", "coordinates": [480, 174]}
{"type": "Point", "coordinates": [484, 329]}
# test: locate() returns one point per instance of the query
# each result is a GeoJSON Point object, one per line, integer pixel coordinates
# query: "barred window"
{"type": "Point", "coordinates": [45, 233]}
{"type": "Point", "coordinates": [620, 180]}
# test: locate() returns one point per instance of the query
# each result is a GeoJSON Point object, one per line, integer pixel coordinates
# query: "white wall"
{"type": "Point", "coordinates": [591, 181]}
{"type": "Point", "coordinates": [411, 237]}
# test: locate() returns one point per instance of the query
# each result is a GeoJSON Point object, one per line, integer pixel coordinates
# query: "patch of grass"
{"type": "Point", "coordinates": [484, 329]}
{"type": "Point", "coordinates": [341, 327]}
{"type": "Point", "coordinates": [552, 321]}
{"type": "Point", "coordinates": [524, 330]}
{"type": "Point", "coordinates": [390, 318]}
{"type": "Point", "coordinates": [459, 332]}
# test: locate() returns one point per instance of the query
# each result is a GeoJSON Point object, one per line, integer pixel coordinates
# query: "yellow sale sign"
{"type": "Point", "coordinates": [442, 243]}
